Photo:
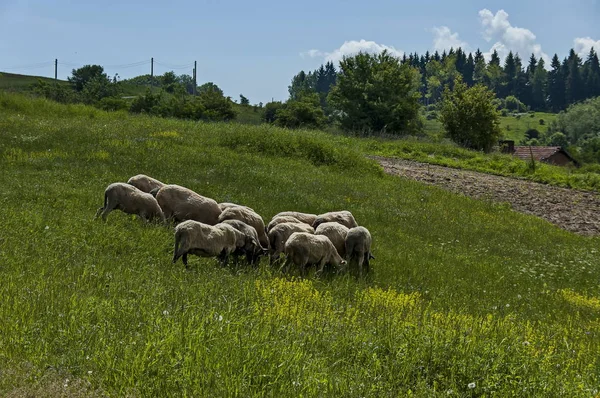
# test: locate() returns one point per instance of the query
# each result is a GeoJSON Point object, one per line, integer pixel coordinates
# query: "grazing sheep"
{"type": "Point", "coordinates": [203, 240]}
{"type": "Point", "coordinates": [227, 205]}
{"type": "Point", "coordinates": [252, 248]}
{"type": "Point", "coordinates": [180, 204]}
{"type": "Point", "coordinates": [343, 217]}
{"type": "Point", "coordinates": [358, 247]}
{"type": "Point", "coordinates": [302, 217]}
{"type": "Point", "coordinates": [281, 220]}
{"type": "Point", "coordinates": [145, 183]}
{"type": "Point", "coordinates": [130, 200]}
{"type": "Point", "coordinates": [304, 249]}
{"type": "Point", "coordinates": [280, 233]}
{"type": "Point", "coordinates": [336, 234]}
{"type": "Point", "coordinates": [250, 217]}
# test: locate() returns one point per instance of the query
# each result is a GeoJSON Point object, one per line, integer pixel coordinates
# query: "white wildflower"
{"type": "Point", "coordinates": [471, 385]}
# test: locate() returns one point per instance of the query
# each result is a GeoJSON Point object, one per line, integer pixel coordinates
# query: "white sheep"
{"type": "Point", "coordinates": [305, 249]}
{"type": "Point", "coordinates": [180, 204]}
{"type": "Point", "coordinates": [280, 220]}
{"type": "Point", "coordinates": [203, 240]}
{"type": "Point", "coordinates": [248, 216]}
{"type": "Point", "coordinates": [252, 248]}
{"type": "Point", "coordinates": [336, 234]}
{"type": "Point", "coordinates": [130, 200]}
{"type": "Point", "coordinates": [343, 217]}
{"type": "Point", "coordinates": [280, 233]}
{"type": "Point", "coordinates": [306, 218]}
{"type": "Point", "coordinates": [227, 205]}
{"type": "Point", "coordinates": [146, 183]}
{"type": "Point", "coordinates": [358, 248]}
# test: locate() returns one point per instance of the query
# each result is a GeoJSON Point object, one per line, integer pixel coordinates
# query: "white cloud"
{"type": "Point", "coordinates": [583, 45]}
{"type": "Point", "coordinates": [444, 39]}
{"type": "Point", "coordinates": [352, 47]}
{"type": "Point", "coordinates": [509, 38]}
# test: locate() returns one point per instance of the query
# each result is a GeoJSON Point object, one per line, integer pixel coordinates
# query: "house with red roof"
{"type": "Point", "coordinates": [555, 155]}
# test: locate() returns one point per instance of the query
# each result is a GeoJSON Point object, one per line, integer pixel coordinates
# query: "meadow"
{"type": "Point", "coordinates": [466, 298]}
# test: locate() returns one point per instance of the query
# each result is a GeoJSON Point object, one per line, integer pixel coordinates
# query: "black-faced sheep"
{"type": "Point", "coordinates": [343, 217]}
{"type": "Point", "coordinates": [306, 218]}
{"type": "Point", "coordinates": [358, 248]}
{"type": "Point", "coordinates": [203, 240]}
{"type": "Point", "coordinates": [180, 204]}
{"type": "Point", "coordinates": [130, 200]}
{"type": "Point", "coordinates": [146, 183]}
{"type": "Point", "coordinates": [305, 249]}
{"type": "Point", "coordinates": [280, 233]}
{"type": "Point", "coordinates": [281, 220]}
{"type": "Point", "coordinates": [250, 217]}
{"type": "Point", "coordinates": [252, 248]}
{"type": "Point", "coordinates": [336, 234]}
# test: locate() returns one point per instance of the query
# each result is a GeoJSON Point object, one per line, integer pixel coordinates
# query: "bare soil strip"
{"type": "Point", "coordinates": [570, 209]}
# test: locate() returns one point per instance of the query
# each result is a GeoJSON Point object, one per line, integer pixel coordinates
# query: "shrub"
{"type": "Point", "coordinates": [532, 133]}
{"type": "Point", "coordinates": [542, 122]}
{"type": "Point", "coordinates": [270, 112]}
{"type": "Point", "coordinates": [303, 112]}
{"type": "Point", "coordinates": [469, 116]}
{"type": "Point", "coordinates": [112, 104]}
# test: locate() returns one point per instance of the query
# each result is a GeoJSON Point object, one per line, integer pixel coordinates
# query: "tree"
{"type": "Point", "coordinates": [574, 88]}
{"type": "Point", "coordinates": [591, 75]}
{"type": "Point", "coordinates": [270, 112]}
{"type": "Point", "coordinates": [494, 74]}
{"type": "Point", "coordinates": [209, 87]}
{"type": "Point", "coordinates": [216, 106]}
{"type": "Point", "coordinates": [376, 93]}
{"type": "Point", "coordinates": [556, 85]}
{"type": "Point", "coordinates": [80, 77]}
{"type": "Point", "coordinates": [469, 116]}
{"type": "Point", "coordinates": [304, 112]}
{"type": "Point", "coordinates": [302, 83]}
{"type": "Point", "coordinates": [539, 84]}
{"type": "Point", "coordinates": [244, 101]}
{"type": "Point", "coordinates": [510, 76]}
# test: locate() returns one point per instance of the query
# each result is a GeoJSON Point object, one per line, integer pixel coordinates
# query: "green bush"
{"type": "Point", "coordinates": [304, 112]}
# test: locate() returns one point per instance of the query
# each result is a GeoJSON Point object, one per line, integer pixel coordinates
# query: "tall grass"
{"type": "Point", "coordinates": [466, 298]}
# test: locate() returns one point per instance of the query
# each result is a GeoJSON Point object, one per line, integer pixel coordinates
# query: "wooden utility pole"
{"type": "Point", "coordinates": [195, 72]}
{"type": "Point", "coordinates": [56, 69]}
{"type": "Point", "coordinates": [152, 71]}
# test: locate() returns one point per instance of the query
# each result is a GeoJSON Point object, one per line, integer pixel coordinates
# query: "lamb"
{"type": "Point", "coordinates": [252, 248]}
{"type": "Point", "coordinates": [203, 240]}
{"type": "Point", "coordinates": [248, 216]}
{"type": "Point", "coordinates": [227, 205]}
{"type": "Point", "coordinates": [303, 249]}
{"type": "Point", "coordinates": [343, 217]}
{"type": "Point", "coordinates": [306, 218]}
{"type": "Point", "coordinates": [146, 183]}
{"type": "Point", "coordinates": [280, 233]}
{"type": "Point", "coordinates": [280, 220]}
{"type": "Point", "coordinates": [180, 204]}
{"type": "Point", "coordinates": [358, 247]}
{"type": "Point", "coordinates": [336, 234]}
{"type": "Point", "coordinates": [130, 200]}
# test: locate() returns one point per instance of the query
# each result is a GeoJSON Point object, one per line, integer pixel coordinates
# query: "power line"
{"type": "Point", "coordinates": [31, 66]}
{"type": "Point", "coordinates": [173, 66]}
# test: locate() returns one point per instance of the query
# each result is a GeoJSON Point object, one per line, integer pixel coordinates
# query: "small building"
{"type": "Point", "coordinates": [548, 154]}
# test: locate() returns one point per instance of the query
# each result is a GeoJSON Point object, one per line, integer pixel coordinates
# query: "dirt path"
{"type": "Point", "coordinates": [573, 210]}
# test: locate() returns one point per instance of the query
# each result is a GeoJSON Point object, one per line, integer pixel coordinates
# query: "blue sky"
{"type": "Point", "coordinates": [254, 48]}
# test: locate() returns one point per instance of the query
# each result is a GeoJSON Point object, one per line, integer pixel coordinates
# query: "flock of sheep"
{"type": "Point", "coordinates": [210, 229]}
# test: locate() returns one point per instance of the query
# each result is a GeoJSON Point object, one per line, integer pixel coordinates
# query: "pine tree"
{"type": "Point", "coordinates": [531, 68]}
{"type": "Point", "coordinates": [469, 70]}
{"type": "Point", "coordinates": [556, 85]}
{"type": "Point", "coordinates": [478, 56]}
{"type": "Point", "coordinates": [494, 74]}
{"type": "Point", "coordinates": [539, 84]}
{"type": "Point", "coordinates": [510, 76]}
{"type": "Point", "coordinates": [591, 75]}
{"type": "Point", "coordinates": [574, 89]}
{"type": "Point", "coordinates": [521, 88]}
{"type": "Point", "coordinates": [436, 56]}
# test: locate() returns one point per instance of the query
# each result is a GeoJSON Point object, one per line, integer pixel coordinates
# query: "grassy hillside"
{"type": "Point", "coordinates": [22, 83]}
{"type": "Point", "coordinates": [466, 298]}
{"type": "Point", "coordinates": [513, 127]}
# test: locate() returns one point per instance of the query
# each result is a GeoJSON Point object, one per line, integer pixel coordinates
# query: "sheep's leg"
{"type": "Point", "coordinates": [286, 265]}
{"type": "Point", "coordinates": [184, 259]}
{"type": "Point", "coordinates": [321, 267]}
{"type": "Point", "coordinates": [360, 265]}
{"type": "Point", "coordinates": [98, 212]}
{"type": "Point", "coordinates": [366, 262]}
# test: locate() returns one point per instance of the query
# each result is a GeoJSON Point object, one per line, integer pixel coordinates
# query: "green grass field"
{"type": "Point", "coordinates": [467, 298]}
